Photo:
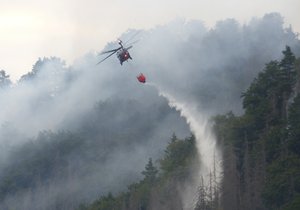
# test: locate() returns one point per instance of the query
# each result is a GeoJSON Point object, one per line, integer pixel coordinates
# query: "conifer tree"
{"type": "Point", "coordinates": [150, 171]}
{"type": "Point", "coordinates": [287, 70]}
{"type": "Point", "coordinates": [4, 79]}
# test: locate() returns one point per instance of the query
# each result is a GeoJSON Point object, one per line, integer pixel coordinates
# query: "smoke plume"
{"type": "Point", "coordinates": [119, 123]}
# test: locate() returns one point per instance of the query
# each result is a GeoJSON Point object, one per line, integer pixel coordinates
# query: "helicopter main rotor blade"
{"type": "Point", "coordinates": [109, 51]}
{"type": "Point", "coordinates": [134, 35]}
{"type": "Point", "coordinates": [131, 43]}
{"type": "Point", "coordinates": [127, 48]}
{"type": "Point", "coordinates": [106, 57]}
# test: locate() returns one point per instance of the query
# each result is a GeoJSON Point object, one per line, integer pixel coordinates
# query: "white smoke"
{"type": "Point", "coordinates": [193, 73]}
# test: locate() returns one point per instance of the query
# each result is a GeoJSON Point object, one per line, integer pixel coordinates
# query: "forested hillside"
{"type": "Point", "coordinates": [261, 147]}
{"type": "Point", "coordinates": [69, 165]}
{"type": "Point", "coordinates": [161, 187]}
{"type": "Point", "coordinates": [261, 155]}
{"type": "Point", "coordinates": [70, 134]}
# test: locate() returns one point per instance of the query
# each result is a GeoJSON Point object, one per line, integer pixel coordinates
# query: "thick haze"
{"type": "Point", "coordinates": [30, 29]}
{"type": "Point", "coordinates": [206, 68]}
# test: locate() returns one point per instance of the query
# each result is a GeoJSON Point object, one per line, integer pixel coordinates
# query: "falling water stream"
{"type": "Point", "coordinates": [208, 152]}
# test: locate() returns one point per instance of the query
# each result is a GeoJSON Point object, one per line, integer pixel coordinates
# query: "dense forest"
{"type": "Point", "coordinates": [159, 189]}
{"type": "Point", "coordinates": [74, 161]}
{"type": "Point", "coordinates": [261, 154]}
{"type": "Point", "coordinates": [261, 147]}
{"type": "Point", "coordinates": [90, 137]}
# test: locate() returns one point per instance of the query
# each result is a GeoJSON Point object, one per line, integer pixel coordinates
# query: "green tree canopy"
{"type": "Point", "coordinates": [150, 171]}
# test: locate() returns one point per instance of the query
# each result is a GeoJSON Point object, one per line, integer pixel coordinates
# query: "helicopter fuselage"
{"type": "Point", "coordinates": [123, 55]}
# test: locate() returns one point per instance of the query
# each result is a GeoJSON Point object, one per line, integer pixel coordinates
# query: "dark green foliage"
{"type": "Point", "coordinates": [265, 168]}
{"type": "Point", "coordinates": [263, 101]}
{"type": "Point", "coordinates": [153, 189]}
{"type": "Point", "coordinates": [177, 155]}
{"type": "Point", "coordinates": [294, 127]}
{"type": "Point", "coordinates": [261, 150]}
{"type": "Point", "coordinates": [108, 202]}
{"type": "Point", "coordinates": [294, 204]}
{"type": "Point", "coordinates": [150, 172]}
{"type": "Point", "coordinates": [283, 182]}
{"type": "Point", "coordinates": [287, 70]}
{"type": "Point", "coordinates": [221, 124]}
{"type": "Point", "coordinates": [266, 98]}
{"type": "Point", "coordinates": [266, 172]}
{"type": "Point", "coordinates": [93, 147]}
{"type": "Point", "coordinates": [273, 145]}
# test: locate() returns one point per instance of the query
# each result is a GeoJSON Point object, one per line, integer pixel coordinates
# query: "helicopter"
{"type": "Point", "coordinates": [122, 52]}
{"type": "Point", "coordinates": [123, 55]}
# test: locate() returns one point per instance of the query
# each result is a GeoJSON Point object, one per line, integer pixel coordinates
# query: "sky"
{"type": "Point", "coordinates": [69, 29]}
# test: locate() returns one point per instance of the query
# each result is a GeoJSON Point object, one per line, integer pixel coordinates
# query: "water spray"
{"type": "Point", "coordinates": [208, 152]}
